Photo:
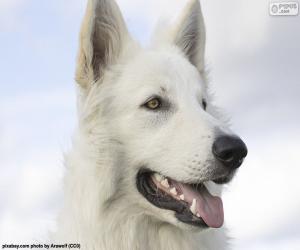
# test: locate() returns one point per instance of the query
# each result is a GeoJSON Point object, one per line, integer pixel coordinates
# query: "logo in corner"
{"type": "Point", "coordinates": [284, 9]}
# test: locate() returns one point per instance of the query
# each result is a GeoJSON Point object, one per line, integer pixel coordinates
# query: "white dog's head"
{"type": "Point", "coordinates": [152, 110]}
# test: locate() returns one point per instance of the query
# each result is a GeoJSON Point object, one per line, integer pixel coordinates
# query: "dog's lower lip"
{"type": "Point", "coordinates": [222, 180]}
{"type": "Point", "coordinates": [197, 207]}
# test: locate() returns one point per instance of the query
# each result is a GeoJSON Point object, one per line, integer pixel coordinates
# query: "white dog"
{"type": "Point", "coordinates": [151, 152]}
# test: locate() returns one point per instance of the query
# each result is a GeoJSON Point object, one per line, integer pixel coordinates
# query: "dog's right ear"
{"type": "Point", "coordinates": [103, 34]}
{"type": "Point", "coordinates": [189, 34]}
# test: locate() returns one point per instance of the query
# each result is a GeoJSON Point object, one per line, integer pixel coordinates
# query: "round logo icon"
{"type": "Point", "coordinates": [274, 9]}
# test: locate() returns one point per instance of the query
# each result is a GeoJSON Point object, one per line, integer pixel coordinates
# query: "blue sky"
{"type": "Point", "coordinates": [254, 61]}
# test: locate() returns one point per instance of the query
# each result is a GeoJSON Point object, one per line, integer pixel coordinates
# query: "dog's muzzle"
{"type": "Point", "coordinates": [192, 202]}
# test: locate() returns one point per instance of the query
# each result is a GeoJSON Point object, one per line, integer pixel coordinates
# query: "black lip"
{"type": "Point", "coordinates": [223, 180]}
{"type": "Point", "coordinates": [164, 201]}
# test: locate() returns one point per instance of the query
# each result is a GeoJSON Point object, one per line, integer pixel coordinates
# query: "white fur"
{"type": "Point", "coordinates": [103, 209]}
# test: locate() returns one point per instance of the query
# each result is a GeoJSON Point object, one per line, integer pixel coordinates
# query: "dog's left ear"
{"type": "Point", "coordinates": [189, 34]}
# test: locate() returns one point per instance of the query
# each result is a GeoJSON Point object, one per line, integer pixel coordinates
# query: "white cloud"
{"type": "Point", "coordinates": [142, 16]}
{"type": "Point", "coordinates": [237, 25]}
{"type": "Point", "coordinates": [31, 145]}
{"type": "Point", "coordinates": [70, 10]}
{"type": "Point", "coordinates": [152, 10]}
{"type": "Point", "coordinates": [9, 14]}
{"type": "Point", "coordinates": [10, 5]}
{"type": "Point", "coordinates": [38, 100]}
{"type": "Point", "coordinates": [233, 24]}
{"type": "Point", "coordinates": [271, 244]}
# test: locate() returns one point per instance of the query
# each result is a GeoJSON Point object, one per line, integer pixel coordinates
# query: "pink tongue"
{"type": "Point", "coordinates": [209, 207]}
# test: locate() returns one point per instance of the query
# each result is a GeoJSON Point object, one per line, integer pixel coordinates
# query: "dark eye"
{"type": "Point", "coordinates": [153, 104]}
{"type": "Point", "coordinates": [204, 104]}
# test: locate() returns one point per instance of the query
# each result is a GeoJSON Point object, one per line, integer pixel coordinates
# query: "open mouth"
{"type": "Point", "coordinates": [192, 203]}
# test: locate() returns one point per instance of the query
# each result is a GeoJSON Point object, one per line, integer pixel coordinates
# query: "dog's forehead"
{"type": "Point", "coordinates": [164, 69]}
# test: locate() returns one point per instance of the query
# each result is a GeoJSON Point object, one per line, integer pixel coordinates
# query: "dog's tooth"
{"type": "Point", "coordinates": [181, 197]}
{"type": "Point", "coordinates": [198, 215]}
{"type": "Point", "coordinates": [193, 206]}
{"type": "Point", "coordinates": [165, 183]}
{"type": "Point", "coordinates": [158, 177]}
{"type": "Point", "coordinates": [173, 191]}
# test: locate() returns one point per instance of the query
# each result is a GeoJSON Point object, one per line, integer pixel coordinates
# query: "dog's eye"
{"type": "Point", "coordinates": [153, 104]}
{"type": "Point", "coordinates": [204, 104]}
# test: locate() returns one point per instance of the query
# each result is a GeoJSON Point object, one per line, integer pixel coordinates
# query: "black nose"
{"type": "Point", "coordinates": [230, 150]}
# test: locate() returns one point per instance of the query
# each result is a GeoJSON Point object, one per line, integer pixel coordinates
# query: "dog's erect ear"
{"type": "Point", "coordinates": [103, 34]}
{"type": "Point", "coordinates": [189, 34]}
